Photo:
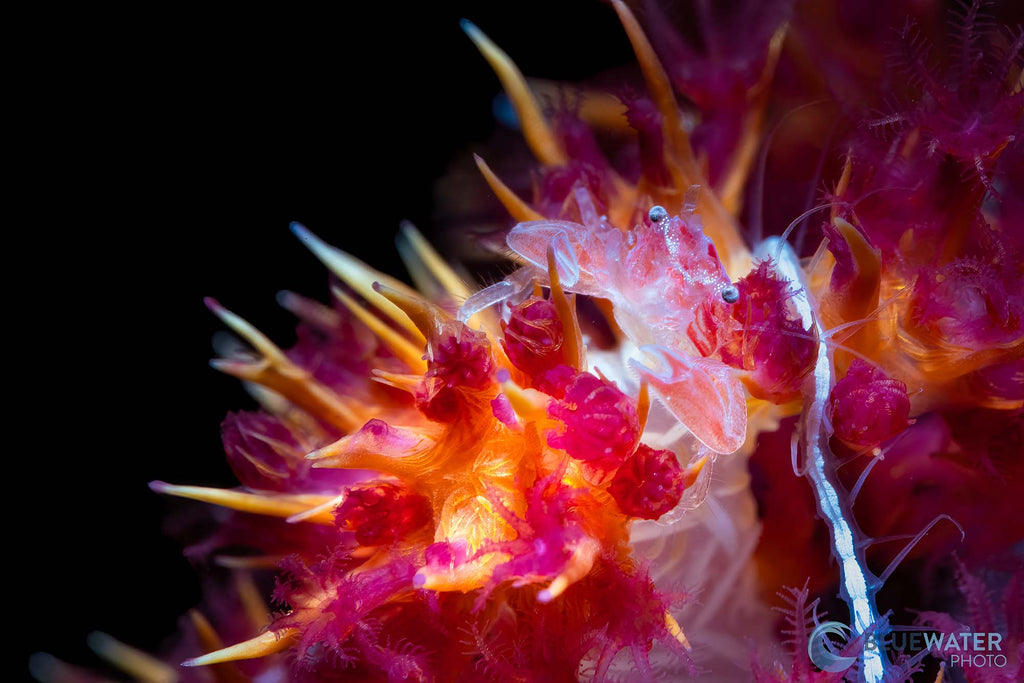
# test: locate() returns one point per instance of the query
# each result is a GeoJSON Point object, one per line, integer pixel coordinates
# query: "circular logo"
{"type": "Point", "coordinates": [824, 653]}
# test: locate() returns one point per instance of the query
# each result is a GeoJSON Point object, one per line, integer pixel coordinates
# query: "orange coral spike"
{"type": "Point", "coordinates": [252, 602]}
{"type": "Point", "coordinates": [318, 511]}
{"type": "Point", "coordinates": [248, 561]}
{"type": "Point", "coordinates": [445, 274]}
{"type": "Point", "coordinates": [424, 315]}
{"type": "Point", "coordinates": [421, 257]}
{"type": "Point", "coordinates": [275, 371]}
{"type": "Point", "coordinates": [404, 350]}
{"type": "Point", "coordinates": [536, 131]}
{"type": "Point", "coordinates": [844, 181]}
{"type": "Point", "coordinates": [595, 107]}
{"type": "Point", "coordinates": [580, 564]}
{"type": "Point", "coordinates": [324, 317]}
{"type": "Point", "coordinates": [694, 469]}
{"type": "Point", "coordinates": [360, 277]}
{"type": "Point", "coordinates": [274, 505]}
{"type": "Point", "coordinates": [516, 207]}
{"type": "Point", "coordinates": [210, 641]}
{"type": "Point", "coordinates": [529, 404]}
{"type": "Point", "coordinates": [860, 296]}
{"type": "Point", "coordinates": [676, 631]}
{"type": "Point", "coordinates": [46, 668]}
{"type": "Point", "coordinates": [363, 451]}
{"type": "Point", "coordinates": [730, 189]}
{"type": "Point", "coordinates": [643, 405]}
{"type": "Point", "coordinates": [262, 645]}
{"type": "Point", "coordinates": [140, 665]}
{"type": "Point", "coordinates": [574, 351]}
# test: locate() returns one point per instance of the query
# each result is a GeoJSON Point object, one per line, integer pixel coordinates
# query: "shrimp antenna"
{"type": "Point", "coordinates": [812, 186]}
{"type": "Point", "coordinates": [869, 317]}
{"type": "Point", "coordinates": [850, 205]}
{"type": "Point", "coordinates": [796, 221]}
{"type": "Point", "coordinates": [880, 454]}
{"type": "Point", "coordinates": [867, 470]}
{"type": "Point", "coordinates": [757, 201]}
{"type": "Point", "coordinates": [917, 539]}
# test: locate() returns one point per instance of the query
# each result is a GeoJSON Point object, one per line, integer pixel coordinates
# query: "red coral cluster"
{"type": "Point", "coordinates": [758, 332]}
{"type": "Point", "coordinates": [382, 513]}
{"type": "Point", "coordinates": [601, 423]}
{"type": "Point", "coordinates": [533, 336]}
{"type": "Point", "coordinates": [649, 484]}
{"type": "Point", "coordinates": [485, 509]}
{"type": "Point", "coordinates": [867, 407]}
{"type": "Point", "coordinates": [460, 370]}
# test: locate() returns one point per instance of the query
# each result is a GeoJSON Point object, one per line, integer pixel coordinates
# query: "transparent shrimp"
{"type": "Point", "coordinates": [655, 275]}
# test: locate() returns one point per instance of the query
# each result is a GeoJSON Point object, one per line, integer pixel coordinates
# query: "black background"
{"type": "Point", "coordinates": [159, 158]}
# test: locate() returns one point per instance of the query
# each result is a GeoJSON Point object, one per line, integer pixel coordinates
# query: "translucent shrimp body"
{"type": "Point", "coordinates": [655, 275]}
{"type": "Point", "coordinates": [666, 267]}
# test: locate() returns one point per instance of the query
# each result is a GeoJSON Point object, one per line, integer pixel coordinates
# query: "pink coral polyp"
{"type": "Point", "coordinates": [533, 336]}
{"type": "Point", "coordinates": [547, 539]}
{"type": "Point", "coordinates": [649, 484]}
{"type": "Point", "coordinates": [601, 423]}
{"type": "Point", "coordinates": [867, 406]}
{"type": "Point", "coordinates": [459, 365]}
{"type": "Point", "coordinates": [381, 513]}
{"type": "Point", "coordinates": [965, 304]}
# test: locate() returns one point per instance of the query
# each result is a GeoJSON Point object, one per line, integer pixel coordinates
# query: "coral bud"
{"type": "Point", "coordinates": [867, 406]}
{"type": "Point", "coordinates": [601, 423]}
{"type": "Point", "coordinates": [555, 381]}
{"type": "Point", "coordinates": [533, 336]}
{"type": "Point", "coordinates": [459, 364]}
{"type": "Point", "coordinates": [964, 304]}
{"type": "Point", "coordinates": [381, 513]}
{"type": "Point", "coordinates": [266, 454]}
{"type": "Point", "coordinates": [756, 331]}
{"type": "Point", "coordinates": [649, 484]}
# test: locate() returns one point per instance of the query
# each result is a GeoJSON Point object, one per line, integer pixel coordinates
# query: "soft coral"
{"type": "Point", "coordinates": [967, 110]}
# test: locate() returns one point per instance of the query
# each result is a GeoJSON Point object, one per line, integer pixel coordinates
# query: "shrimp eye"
{"type": "Point", "coordinates": [657, 214]}
{"type": "Point", "coordinates": [730, 294]}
